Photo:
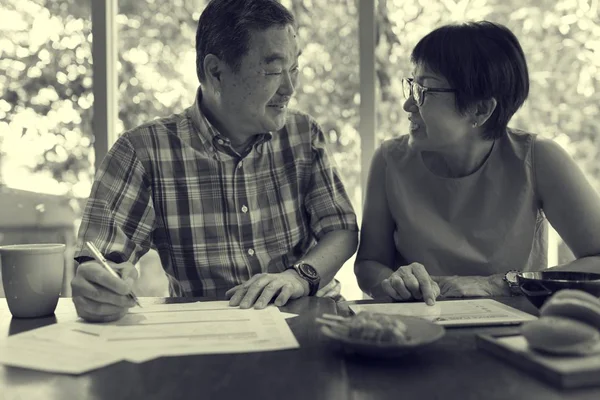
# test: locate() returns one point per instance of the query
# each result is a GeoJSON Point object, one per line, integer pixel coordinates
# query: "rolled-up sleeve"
{"type": "Point", "coordinates": [327, 202]}
{"type": "Point", "coordinates": [119, 214]}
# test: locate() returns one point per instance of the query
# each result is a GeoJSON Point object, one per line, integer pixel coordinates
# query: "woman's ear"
{"type": "Point", "coordinates": [483, 110]}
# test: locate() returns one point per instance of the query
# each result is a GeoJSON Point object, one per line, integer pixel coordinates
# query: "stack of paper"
{"type": "Point", "coordinates": [147, 333]}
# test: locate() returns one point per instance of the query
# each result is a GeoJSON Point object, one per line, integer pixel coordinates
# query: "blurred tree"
{"type": "Point", "coordinates": [157, 71]}
{"type": "Point", "coordinates": [45, 89]}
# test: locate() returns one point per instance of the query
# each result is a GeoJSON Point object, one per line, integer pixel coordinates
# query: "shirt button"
{"type": "Point", "coordinates": [244, 209]}
{"type": "Point", "coordinates": [240, 164]}
{"type": "Point", "coordinates": [251, 252]}
{"type": "Point", "coordinates": [220, 141]}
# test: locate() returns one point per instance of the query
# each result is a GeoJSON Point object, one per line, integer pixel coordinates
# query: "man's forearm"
{"type": "Point", "coordinates": [583, 264]}
{"type": "Point", "coordinates": [331, 252]}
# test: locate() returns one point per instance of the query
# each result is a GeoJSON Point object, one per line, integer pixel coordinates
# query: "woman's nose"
{"type": "Point", "coordinates": [410, 104]}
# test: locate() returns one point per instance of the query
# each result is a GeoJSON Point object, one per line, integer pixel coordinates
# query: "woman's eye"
{"type": "Point", "coordinates": [274, 73]}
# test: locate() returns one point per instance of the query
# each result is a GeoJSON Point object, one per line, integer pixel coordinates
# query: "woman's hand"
{"type": "Point", "coordinates": [411, 282]}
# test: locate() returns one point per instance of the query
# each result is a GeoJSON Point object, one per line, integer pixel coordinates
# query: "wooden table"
{"type": "Point", "coordinates": [452, 368]}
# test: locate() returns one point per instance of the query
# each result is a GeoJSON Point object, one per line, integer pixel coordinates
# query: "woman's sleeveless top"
{"type": "Point", "coordinates": [481, 224]}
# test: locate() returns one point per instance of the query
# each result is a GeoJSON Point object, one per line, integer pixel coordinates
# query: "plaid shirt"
{"type": "Point", "coordinates": [216, 218]}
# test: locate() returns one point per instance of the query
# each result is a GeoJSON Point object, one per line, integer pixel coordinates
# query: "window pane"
{"type": "Point", "coordinates": [46, 153]}
{"type": "Point", "coordinates": [46, 89]}
{"type": "Point", "coordinates": [157, 58]}
{"type": "Point", "coordinates": [328, 85]}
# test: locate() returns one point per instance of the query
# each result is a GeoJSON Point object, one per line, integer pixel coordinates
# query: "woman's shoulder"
{"type": "Point", "coordinates": [520, 143]}
{"type": "Point", "coordinates": [520, 136]}
{"type": "Point", "coordinates": [395, 149]}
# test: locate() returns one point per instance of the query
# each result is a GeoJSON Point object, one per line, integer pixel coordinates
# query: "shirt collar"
{"type": "Point", "coordinates": [207, 132]}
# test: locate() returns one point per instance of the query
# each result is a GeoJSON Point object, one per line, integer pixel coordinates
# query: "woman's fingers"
{"type": "Point", "coordinates": [389, 290]}
{"type": "Point", "coordinates": [414, 282]}
{"type": "Point", "coordinates": [426, 283]}
{"type": "Point", "coordinates": [399, 286]}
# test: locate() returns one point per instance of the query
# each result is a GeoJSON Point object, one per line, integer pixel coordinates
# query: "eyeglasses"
{"type": "Point", "coordinates": [412, 88]}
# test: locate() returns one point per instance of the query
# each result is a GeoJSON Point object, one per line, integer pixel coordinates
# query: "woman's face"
{"type": "Point", "coordinates": [436, 123]}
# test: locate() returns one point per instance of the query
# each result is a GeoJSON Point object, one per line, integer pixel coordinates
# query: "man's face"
{"type": "Point", "coordinates": [255, 98]}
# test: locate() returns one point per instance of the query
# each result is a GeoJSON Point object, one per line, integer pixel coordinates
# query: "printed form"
{"type": "Point", "coordinates": [147, 333]}
{"type": "Point", "coordinates": [474, 312]}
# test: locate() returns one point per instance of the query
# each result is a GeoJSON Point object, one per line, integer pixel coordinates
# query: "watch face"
{"type": "Point", "coordinates": [511, 276]}
{"type": "Point", "coordinates": [308, 270]}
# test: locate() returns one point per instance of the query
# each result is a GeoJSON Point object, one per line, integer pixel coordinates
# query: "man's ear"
{"type": "Point", "coordinates": [213, 68]}
{"type": "Point", "coordinates": [483, 110]}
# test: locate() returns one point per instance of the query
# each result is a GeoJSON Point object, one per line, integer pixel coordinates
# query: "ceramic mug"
{"type": "Point", "coordinates": [32, 275]}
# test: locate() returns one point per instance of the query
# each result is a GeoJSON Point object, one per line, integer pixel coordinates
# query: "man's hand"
{"type": "Point", "coordinates": [411, 282]}
{"type": "Point", "coordinates": [262, 288]}
{"type": "Point", "coordinates": [100, 297]}
{"type": "Point", "coordinates": [472, 286]}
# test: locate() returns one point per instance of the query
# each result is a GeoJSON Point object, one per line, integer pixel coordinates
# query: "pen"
{"type": "Point", "coordinates": [100, 258]}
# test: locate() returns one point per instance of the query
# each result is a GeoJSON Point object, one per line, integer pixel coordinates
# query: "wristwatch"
{"type": "Point", "coordinates": [309, 274]}
{"type": "Point", "coordinates": [510, 277]}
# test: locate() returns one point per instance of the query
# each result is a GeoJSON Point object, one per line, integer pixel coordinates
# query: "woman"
{"type": "Point", "coordinates": [461, 202]}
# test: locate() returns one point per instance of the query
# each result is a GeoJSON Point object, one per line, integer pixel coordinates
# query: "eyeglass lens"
{"type": "Point", "coordinates": [410, 88]}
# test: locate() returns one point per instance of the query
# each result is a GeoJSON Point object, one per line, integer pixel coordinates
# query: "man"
{"type": "Point", "coordinates": [237, 194]}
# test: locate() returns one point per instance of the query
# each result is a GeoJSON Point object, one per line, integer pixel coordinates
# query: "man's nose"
{"type": "Point", "coordinates": [288, 83]}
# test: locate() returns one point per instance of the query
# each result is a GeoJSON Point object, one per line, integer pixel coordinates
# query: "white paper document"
{"type": "Point", "coordinates": [51, 356]}
{"type": "Point", "coordinates": [147, 333]}
{"type": "Point", "coordinates": [474, 312]}
{"type": "Point", "coordinates": [194, 328]}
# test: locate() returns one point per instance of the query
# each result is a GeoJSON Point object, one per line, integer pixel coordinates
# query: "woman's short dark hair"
{"type": "Point", "coordinates": [225, 25]}
{"type": "Point", "coordinates": [480, 60]}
